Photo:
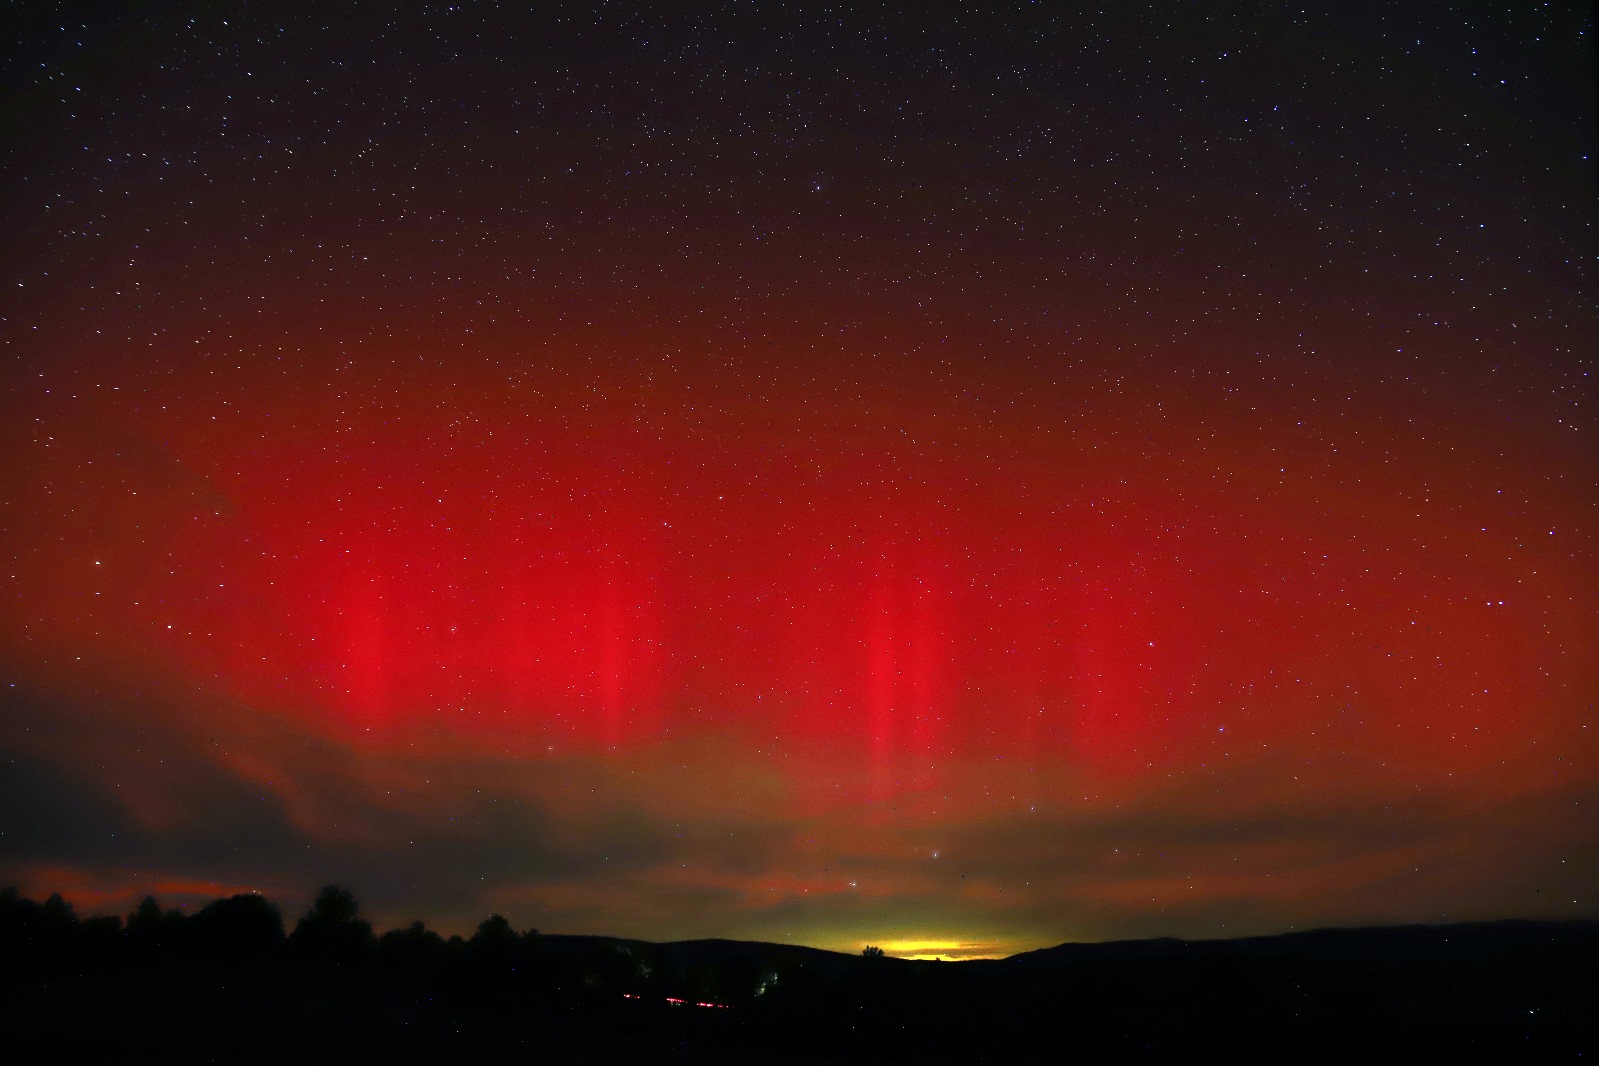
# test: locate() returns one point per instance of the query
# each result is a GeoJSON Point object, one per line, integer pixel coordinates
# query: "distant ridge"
{"type": "Point", "coordinates": [1363, 936]}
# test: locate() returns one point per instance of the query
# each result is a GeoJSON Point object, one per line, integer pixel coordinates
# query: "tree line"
{"type": "Point", "coordinates": [247, 934]}
{"type": "Point", "coordinates": [233, 979]}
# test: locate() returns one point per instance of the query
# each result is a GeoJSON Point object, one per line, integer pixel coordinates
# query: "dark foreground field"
{"type": "Point", "coordinates": [173, 989]}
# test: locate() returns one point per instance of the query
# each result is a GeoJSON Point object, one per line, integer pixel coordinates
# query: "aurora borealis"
{"type": "Point", "coordinates": [950, 480]}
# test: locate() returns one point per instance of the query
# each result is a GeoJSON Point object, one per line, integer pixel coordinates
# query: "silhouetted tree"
{"type": "Point", "coordinates": [177, 930]}
{"type": "Point", "coordinates": [145, 921]}
{"type": "Point", "coordinates": [330, 932]}
{"type": "Point", "coordinates": [335, 905]}
{"type": "Point", "coordinates": [495, 929]}
{"type": "Point", "coordinates": [239, 929]}
{"type": "Point", "coordinates": [145, 932]}
{"type": "Point", "coordinates": [100, 942]}
{"type": "Point", "coordinates": [494, 947]}
{"type": "Point", "coordinates": [48, 938]}
{"type": "Point", "coordinates": [23, 933]}
{"type": "Point", "coordinates": [871, 951]}
{"type": "Point", "coordinates": [416, 947]}
{"type": "Point", "coordinates": [103, 929]}
{"type": "Point", "coordinates": [59, 917]}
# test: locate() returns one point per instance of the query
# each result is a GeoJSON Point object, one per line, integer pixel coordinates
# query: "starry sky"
{"type": "Point", "coordinates": [954, 479]}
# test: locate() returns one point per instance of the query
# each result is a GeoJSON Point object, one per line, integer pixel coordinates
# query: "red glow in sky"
{"type": "Point", "coordinates": [873, 558]}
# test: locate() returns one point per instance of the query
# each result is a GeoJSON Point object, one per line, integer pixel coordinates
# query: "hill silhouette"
{"type": "Point", "coordinates": [231, 983]}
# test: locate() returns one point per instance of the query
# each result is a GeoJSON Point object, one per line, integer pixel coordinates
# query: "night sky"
{"type": "Point", "coordinates": [960, 480]}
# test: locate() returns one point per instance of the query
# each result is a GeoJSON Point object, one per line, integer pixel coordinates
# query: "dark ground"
{"type": "Point", "coordinates": [177, 989]}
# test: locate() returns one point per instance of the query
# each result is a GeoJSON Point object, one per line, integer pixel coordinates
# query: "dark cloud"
{"type": "Point", "coordinates": [89, 791]}
{"type": "Point", "coordinates": [650, 845]}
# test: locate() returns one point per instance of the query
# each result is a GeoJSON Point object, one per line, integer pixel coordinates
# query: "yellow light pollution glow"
{"type": "Point", "coordinates": [942, 950]}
